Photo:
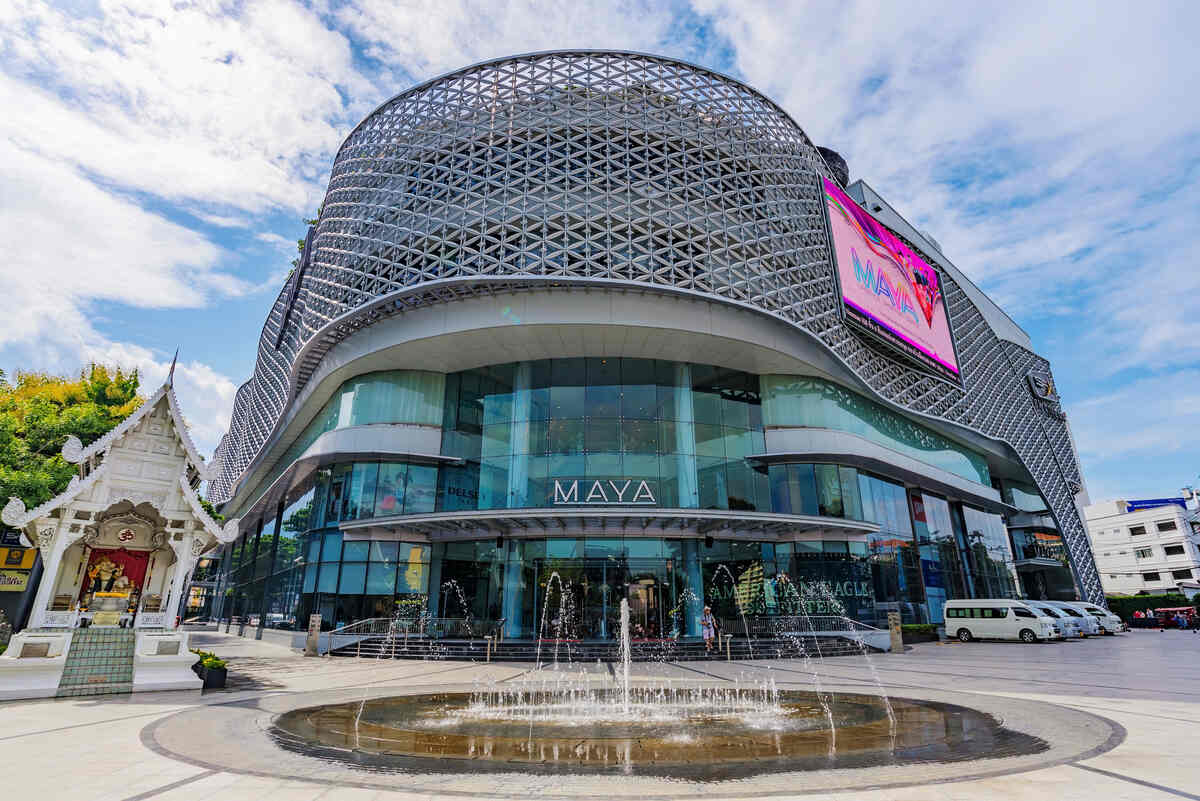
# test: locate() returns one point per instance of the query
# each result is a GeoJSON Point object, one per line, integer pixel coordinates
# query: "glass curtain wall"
{"type": "Point", "coordinates": [572, 588]}
{"type": "Point", "coordinates": [803, 401]}
{"type": "Point", "coordinates": [941, 566]}
{"type": "Point", "coordinates": [682, 429]}
{"type": "Point", "coordinates": [989, 557]}
{"type": "Point", "coordinates": [392, 396]}
{"type": "Point", "coordinates": [894, 556]}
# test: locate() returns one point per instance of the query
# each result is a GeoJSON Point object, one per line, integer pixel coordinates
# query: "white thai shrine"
{"type": "Point", "coordinates": [118, 547]}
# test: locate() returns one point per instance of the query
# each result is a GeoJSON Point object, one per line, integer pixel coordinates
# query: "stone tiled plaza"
{"type": "Point", "coordinates": [1119, 713]}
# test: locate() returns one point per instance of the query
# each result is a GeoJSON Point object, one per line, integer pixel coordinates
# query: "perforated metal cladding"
{"type": "Point", "coordinates": [563, 168]}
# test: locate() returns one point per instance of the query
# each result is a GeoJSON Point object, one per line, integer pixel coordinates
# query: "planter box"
{"type": "Point", "coordinates": [214, 678]}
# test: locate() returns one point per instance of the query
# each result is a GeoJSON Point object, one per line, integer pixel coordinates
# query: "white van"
{"type": "Point", "coordinates": [1066, 625]}
{"type": "Point", "coordinates": [1109, 623]}
{"type": "Point", "coordinates": [1088, 624]}
{"type": "Point", "coordinates": [997, 618]}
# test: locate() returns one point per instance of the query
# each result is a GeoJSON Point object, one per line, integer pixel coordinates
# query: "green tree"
{"type": "Point", "coordinates": [300, 242]}
{"type": "Point", "coordinates": [37, 414]}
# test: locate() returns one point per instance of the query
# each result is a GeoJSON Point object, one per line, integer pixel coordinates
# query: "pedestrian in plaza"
{"type": "Point", "coordinates": [708, 628]}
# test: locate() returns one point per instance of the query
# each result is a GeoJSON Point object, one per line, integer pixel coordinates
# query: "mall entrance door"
{"type": "Point", "coordinates": [647, 615]}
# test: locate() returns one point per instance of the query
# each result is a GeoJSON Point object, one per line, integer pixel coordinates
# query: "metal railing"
{"type": "Point", "coordinates": [770, 626]}
{"type": "Point", "coordinates": [437, 628]}
{"type": "Point", "coordinates": [460, 628]}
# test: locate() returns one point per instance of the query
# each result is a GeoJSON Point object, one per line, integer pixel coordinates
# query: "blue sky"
{"type": "Point", "coordinates": [157, 159]}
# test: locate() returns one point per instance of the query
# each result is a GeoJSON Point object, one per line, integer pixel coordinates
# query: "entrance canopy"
{"type": "Point", "coordinates": [582, 521]}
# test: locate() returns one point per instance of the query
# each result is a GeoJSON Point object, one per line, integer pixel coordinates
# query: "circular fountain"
{"type": "Point", "coordinates": [665, 736]}
{"type": "Point", "coordinates": [660, 728]}
{"type": "Point", "coordinates": [685, 732]}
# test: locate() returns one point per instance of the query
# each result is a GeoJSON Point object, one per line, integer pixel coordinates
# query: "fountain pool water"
{"type": "Point", "coordinates": [687, 732]}
{"type": "Point", "coordinates": [573, 722]}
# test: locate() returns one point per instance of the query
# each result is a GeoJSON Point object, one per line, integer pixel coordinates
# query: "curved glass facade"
{"type": "Point", "coordinates": [391, 396]}
{"type": "Point", "coordinates": [803, 401]}
{"type": "Point", "coordinates": [614, 432]}
{"type": "Point", "coordinates": [680, 431]}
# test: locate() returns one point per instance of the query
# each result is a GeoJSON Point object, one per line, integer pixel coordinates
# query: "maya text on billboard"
{"type": "Point", "coordinates": [887, 288]}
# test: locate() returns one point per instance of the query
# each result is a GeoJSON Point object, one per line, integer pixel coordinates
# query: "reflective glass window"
{"type": "Point", "coordinates": [327, 582]}
{"type": "Point", "coordinates": [421, 490]}
{"type": "Point", "coordinates": [381, 578]}
{"type": "Point", "coordinates": [354, 574]}
{"type": "Point", "coordinates": [829, 490]}
{"type": "Point", "coordinates": [806, 401]}
{"type": "Point", "coordinates": [331, 546]}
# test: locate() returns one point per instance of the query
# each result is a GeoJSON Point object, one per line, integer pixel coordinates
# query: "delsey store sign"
{"type": "Point", "coordinates": [603, 492]}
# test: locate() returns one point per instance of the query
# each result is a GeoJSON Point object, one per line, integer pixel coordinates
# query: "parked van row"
{"type": "Point", "coordinates": [1029, 621]}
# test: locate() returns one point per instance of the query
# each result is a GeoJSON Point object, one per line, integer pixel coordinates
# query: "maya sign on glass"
{"type": "Point", "coordinates": [886, 287]}
{"type": "Point", "coordinates": [602, 491]}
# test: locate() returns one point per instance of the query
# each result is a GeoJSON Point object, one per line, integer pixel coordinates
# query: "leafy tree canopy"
{"type": "Point", "coordinates": [37, 414]}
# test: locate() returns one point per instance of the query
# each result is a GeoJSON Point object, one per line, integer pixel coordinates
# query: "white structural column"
{"type": "Point", "coordinates": [51, 564]}
{"type": "Point", "coordinates": [183, 564]}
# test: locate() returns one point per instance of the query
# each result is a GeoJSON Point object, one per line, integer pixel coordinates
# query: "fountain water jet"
{"type": "Point", "coordinates": [626, 653]}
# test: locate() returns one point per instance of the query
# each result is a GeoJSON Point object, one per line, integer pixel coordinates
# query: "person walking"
{"type": "Point", "coordinates": [708, 628]}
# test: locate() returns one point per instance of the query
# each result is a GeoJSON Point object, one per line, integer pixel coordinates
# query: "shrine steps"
{"type": "Point", "coordinates": [99, 662]}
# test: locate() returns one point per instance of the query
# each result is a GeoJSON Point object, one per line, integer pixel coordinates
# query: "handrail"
{"type": "Point", "coordinates": [434, 627]}
{"type": "Point", "coordinates": [470, 628]}
{"type": "Point", "coordinates": [773, 625]}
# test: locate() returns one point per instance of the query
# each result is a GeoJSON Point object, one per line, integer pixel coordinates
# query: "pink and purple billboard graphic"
{"type": "Point", "coordinates": [887, 287]}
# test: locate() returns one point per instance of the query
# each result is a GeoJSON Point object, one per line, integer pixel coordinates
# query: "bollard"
{"type": "Point", "coordinates": [489, 647]}
{"type": "Point", "coordinates": [893, 619]}
{"type": "Point", "coordinates": [727, 637]}
{"type": "Point", "coordinates": [312, 642]}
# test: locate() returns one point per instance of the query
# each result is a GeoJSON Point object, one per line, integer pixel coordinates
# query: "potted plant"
{"type": "Point", "coordinates": [213, 671]}
{"type": "Point", "coordinates": [200, 657]}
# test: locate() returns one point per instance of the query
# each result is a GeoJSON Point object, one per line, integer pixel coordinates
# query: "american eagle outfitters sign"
{"type": "Point", "coordinates": [603, 492]}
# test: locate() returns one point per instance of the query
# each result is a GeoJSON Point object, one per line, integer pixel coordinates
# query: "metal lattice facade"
{"type": "Point", "coordinates": [622, 169]}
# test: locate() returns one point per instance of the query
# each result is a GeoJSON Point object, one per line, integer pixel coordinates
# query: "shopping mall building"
{"type": "Point", "coordinates": [583, 326]}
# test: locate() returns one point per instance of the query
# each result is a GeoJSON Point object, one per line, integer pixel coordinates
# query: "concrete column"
{"type": "Point", "coordinates": [50, 568]}
{"type": "Point", "coordinates": [183, 565]}
{"type": "Point", "coordinates": [49, 581]}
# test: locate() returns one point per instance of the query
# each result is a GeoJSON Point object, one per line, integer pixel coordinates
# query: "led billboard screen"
{"type": "Point", "coordinates": [887, 288]}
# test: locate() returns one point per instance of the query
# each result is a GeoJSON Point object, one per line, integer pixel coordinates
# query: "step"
{"type": "Point", "coordinates": [99, 662]}
{"type": "Point", "coordinates": [527, 651]}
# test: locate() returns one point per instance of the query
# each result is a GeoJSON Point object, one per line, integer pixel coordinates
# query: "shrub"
{"type": "Point", "coordinates": [919, 632]}
{"type": "Point", "coordinates": [212, 663]}
{"type": "Point", "coordinates": [1123, 606]}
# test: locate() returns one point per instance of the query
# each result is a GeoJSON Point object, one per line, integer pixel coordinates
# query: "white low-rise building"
{"type": "Point", "coordinates": [1146, 547]}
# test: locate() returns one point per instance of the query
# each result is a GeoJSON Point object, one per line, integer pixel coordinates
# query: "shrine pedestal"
{"type": "Point", "coordinates": [32, 666]}
{"type": "Point", "coordinates": [162, 661]}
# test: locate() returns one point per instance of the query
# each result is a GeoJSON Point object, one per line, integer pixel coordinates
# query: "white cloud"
{"type": "Point", "coordinates": [235, 104]}
{"type": "Point", "coordinates": [77, 247]}
{"type": "Point", "coordinates": [425, 38]}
